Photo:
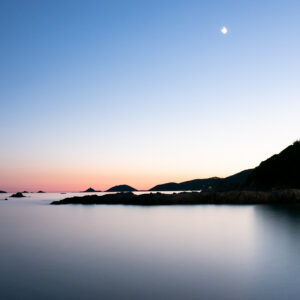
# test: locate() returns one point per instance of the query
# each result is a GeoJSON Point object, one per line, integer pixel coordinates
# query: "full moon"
{"type": "Point", "coordinates": [224, 30]}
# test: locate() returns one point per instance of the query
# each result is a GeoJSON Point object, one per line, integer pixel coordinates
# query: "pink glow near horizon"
{"type": "Point", "coordinates": [69, 176]}
{"type": "Point", "coordinates": [78, 181]}
{"type": "Point", "coordinates": [74, 174]}
{"type": "Point", "coordinates": [81, 185]}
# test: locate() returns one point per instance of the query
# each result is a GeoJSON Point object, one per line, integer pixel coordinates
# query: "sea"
{"type": "Point", "coordinates": [137, 252]}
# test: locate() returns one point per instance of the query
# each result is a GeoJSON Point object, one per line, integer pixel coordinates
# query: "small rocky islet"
{"type": "Point", "coordinates": [17, 195]}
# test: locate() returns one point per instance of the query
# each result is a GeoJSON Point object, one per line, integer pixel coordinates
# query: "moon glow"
{"type": "Point", "coordinates": [224, 30]}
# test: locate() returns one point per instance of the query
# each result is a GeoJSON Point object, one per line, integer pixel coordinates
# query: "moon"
{"type": "Point", "coordinates": [224, 30]}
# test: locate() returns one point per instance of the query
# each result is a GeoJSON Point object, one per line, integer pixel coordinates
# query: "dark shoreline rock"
{"type": "Point", "coordinates": [190, 198]}
{"type": "Point", "coordinates": [17, 195]}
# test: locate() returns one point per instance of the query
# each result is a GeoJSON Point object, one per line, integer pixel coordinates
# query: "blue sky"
{"type": "Point", "coordinates": [142, 92]}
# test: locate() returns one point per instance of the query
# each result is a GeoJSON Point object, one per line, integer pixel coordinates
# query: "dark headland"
{"type": "Point", "coordinates": [276, 180]}
{"type": "Point", "coordinates": [2, 192]}
{"type": "Point", "coordinates": [279, 171]}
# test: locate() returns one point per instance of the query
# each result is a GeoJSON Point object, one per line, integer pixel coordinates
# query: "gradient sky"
{"type": "Point", "coordinates": [98, 93]}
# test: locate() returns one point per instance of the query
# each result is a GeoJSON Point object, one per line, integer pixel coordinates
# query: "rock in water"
{"type": "Point", "coordinates": [17, 195]}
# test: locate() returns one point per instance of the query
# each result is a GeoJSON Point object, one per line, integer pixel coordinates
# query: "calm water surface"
{"type": "Point", "coordinates": [130, 252]}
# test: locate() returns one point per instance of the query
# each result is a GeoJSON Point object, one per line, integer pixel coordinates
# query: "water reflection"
{"type": "Point", "coordinates": [179, 252]}
{"type": "Point", "coordinates": [278, 251]}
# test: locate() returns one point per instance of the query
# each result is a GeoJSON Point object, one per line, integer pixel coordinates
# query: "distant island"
{"type": "Point", "coordinates": [121, 188]}
{"type": "Point", "coordinates": [90, 190]}
{"type": "Point", "coordinates": [41, 192]}
{"type": "Point", "coordinates": [275, 180]}
{"type": "Point", "coordinates": [3, 192]}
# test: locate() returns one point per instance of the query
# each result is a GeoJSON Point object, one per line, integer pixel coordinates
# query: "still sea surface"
{"type": "Point", "coordinates": [162, 252]}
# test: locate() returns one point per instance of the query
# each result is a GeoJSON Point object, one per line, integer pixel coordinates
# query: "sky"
{"type": "Point", "coordinates": [99, 93]}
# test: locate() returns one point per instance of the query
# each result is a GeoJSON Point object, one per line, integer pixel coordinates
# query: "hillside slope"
{"type": "Point", "coordinates": [279, 171]}
{"type": "Point", "coordinates": [232, 182]}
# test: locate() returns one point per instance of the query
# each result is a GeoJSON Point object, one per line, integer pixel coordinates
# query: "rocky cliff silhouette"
{"type": "Point", "coordinates": [279, 171]}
